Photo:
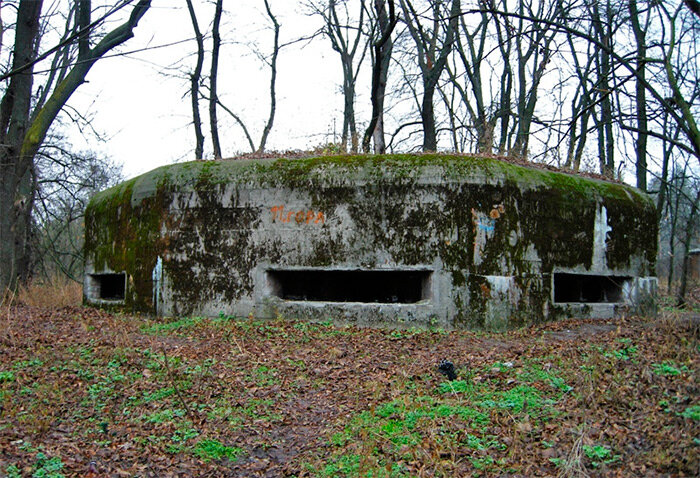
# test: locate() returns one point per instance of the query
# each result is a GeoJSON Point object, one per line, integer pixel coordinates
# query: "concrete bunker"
{"type": "Point", "coordinates": [442, 240]}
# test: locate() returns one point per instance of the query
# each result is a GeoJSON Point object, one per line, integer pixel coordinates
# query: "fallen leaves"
{"type": "Point", "coordinates": [113, 395]}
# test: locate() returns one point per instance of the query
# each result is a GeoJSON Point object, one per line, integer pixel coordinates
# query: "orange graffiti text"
{"type": "Point", "coordinates": [300, 217]}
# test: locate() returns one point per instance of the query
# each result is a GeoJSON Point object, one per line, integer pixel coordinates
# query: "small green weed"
{"type": "Point", "coordinates": [482, 463]}
{"type": "Point", "coordinates": [159, 394]}
{"type": "Point", "coordinates": [626, 352]}
{"type": "Point", "coordinates": [46, 467]}
{"type": "Point", "coordinates": [692, 412]}
{"type": "Point", "coordinates": [180, 437]}
{"type": "Point", "coordinates": [264, 376]}
{"type": "Point", "coordinates": [13, 471]}
{"type": "Point", "coordinates": [215, 450]}
{"type": "Point", "coordinates": [7, 376]}
{"type": "Point", "coordinates": [167, 415]}
{"type": "Point", "coordinates": [31, 363]}
{"type": "Point", "coordinates": [600, 455]}
{"type": "Point", "coordinates": [174, 326]}
{"type": "Point", "coordinates": [668, 369]}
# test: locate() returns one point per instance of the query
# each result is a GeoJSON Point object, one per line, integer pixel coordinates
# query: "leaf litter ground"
{"type": "Point", "coordinates": [88, 393]}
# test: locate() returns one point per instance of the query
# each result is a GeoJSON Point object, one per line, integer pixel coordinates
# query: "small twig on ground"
{"type": "Point", "coordinates": [171, 378]}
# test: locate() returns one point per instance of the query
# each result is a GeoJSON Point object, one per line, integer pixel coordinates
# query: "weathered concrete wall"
{"type": "Point", "coordinates": [488, 237]}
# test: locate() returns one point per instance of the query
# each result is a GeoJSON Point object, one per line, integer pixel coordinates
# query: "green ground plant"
{"type": "Point", "coordinates": [229, 395]}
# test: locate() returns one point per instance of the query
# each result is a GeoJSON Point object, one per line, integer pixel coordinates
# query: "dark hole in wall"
{"type": "Point", "coordinates": [388, 287]}
{"type": "Point", "coordinates": [108, 286]}
{"type": "Point", "coordinates": [588, 288]}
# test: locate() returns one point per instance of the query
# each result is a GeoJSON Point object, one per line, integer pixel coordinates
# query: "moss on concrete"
{"type": "Point", "coordinates": [177, 212]}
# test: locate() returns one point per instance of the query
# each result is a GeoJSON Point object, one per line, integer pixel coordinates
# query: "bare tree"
{"type": "Point", "coordinates": [195, 79]}
{"type": "Point", "coordinates": [671, 67]}
{"type": "Point", "coordinates": [433, 47]}
{"type": "Point", "coordinates": [639, 30]}
{"type": "Point", "coordinates": [345, 33]}
{"type": "Point", "coordinates": [273, 78]}
{"type": "Point", "coordinates": [382, 45]}
{"type": "Point", "coordinates": [271, 62]}
{"type": "Point", "coordinates": [23, 129]}
{"type": "Point", "coordinates": [470, 48]}
{"type": "Point", "coordinates": [213, 78]}
{"type": "Point", "coordinates": [65, 181]}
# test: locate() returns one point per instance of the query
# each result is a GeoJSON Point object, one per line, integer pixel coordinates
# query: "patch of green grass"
{"type": "Point", "coordinates": [263, 376]}
{"type": "Point", "coordinates": [180, 438]}
{"type": "Point", "coordinates": [13, 471]}
{"type": "Point", "coordinates": [7, 376]}
{"type": "Point", "coordinates": [31, 363]}
{"type": "Point", "coordinates": [348, 465]}
{"type": "Point", "coordinates": [692, 412]}
{"type": "Point", "coordinates": [306, 326]}
{"type": "Point", "coordinates": [668, 369]}
{"type": "Point", "coordinates": [518, 399]}
{"type": "Point", "coordinates": [534, 372]}
{"type": "Point", "coordinates": [46, 467]}
{"type": "Point", "coordinates": [458, 415]}
{"type": "Point", "coordinates": [164, 416]}
{"type": "Point", "coordinates": [627, 352]}
{"type": "Point", "coordinates": [600, 455]}
{"type": "Point", "coordinates": [261, 409]}
{"type": "Point", "coordinates": [456, 386]}
{"type": "Point", "coordinates": [215, 450]}
{"type": "Point", "coordinates": [157, 395]}
{"type": "Point", "coordinates": [178, 325]}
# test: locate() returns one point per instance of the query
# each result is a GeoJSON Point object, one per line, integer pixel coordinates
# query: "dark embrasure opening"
{"type": "Point", "coordinates": [387, 287]}
{"type": "Point", "coordinates": [108, 286]}
{"type": "Point", "coordinates": [588, 288]}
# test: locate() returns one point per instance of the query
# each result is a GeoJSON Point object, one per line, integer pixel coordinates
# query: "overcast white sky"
{"type": "Point", "coordinates": [141, 104]}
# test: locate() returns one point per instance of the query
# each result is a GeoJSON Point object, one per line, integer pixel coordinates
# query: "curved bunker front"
{"type": "Point", "coordinates": [429, 240]}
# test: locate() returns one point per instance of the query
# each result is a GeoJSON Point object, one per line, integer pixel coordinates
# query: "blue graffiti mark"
{"type": "Point", "coordinates": [489, 226]}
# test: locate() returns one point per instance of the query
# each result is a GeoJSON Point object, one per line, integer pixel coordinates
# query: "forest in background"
{"type": "Point", "coordinates": [608, 87]}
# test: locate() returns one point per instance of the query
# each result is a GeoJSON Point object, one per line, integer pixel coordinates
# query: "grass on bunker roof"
{"type": "Point", "coordinates": [87, 393]}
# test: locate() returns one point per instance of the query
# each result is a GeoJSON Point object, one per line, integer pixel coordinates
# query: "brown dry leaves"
{"type": "Point", "coordinates": [138, 397]}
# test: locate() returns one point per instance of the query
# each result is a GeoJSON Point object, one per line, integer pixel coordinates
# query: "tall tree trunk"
{"type": "Point", "coordinates": [273, 79]}
{"type": "Point", "coordinates": [347, 48]}
{"type": "Point", "coordinates": [195, 78]}
{"type": "Point", "coordinates": [22, 134]}
{"type": "Point", "coordinates": [213, 78]}
{"type": "Point", "coordinates": [640, 96]}
{"type": "Point", "coordinates": [680, 297]}
{"type": "Point", "coordinates": [431, 62]}
{"type": "Point", "coordinates": [427, 116]}
{"type": "Point", "coordinates": [382, 49]}
{"type": "Point", "coordinates": [605, 125]}
{"type": "Point", "coordinates": [16, 165]}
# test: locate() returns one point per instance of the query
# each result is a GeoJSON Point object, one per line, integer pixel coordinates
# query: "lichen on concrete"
{"type": "Point", "coordinates": [492, 233]}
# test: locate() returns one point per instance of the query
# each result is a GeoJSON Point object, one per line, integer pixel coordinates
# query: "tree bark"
{"type": "Point", "coordinates": [640, 96]}
{"type": "Point", "coordinates": [273, 79]}
{"type": "Point", "coordinates": [431, 66]}
{"type": "Point", "coordinates": [380, 71]}
{"type": "Point", "coordinates": [195, 78]}
{"type": "Point", "coordinates": [16, 168]}
{"type": "Point", "coordinates": [22, 135]}
{"type": "Point", "coordinates": [213, 78]}
{"type": "Point", "coordinates": [347, 48]}
{"type": "Point", "coordinates": [680, 297]}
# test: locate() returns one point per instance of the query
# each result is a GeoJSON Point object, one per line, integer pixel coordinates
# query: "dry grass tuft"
{"type": "Point", "coordinates": [573, 467]}
{"type": "Point", "coordinates": [53, 292]}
